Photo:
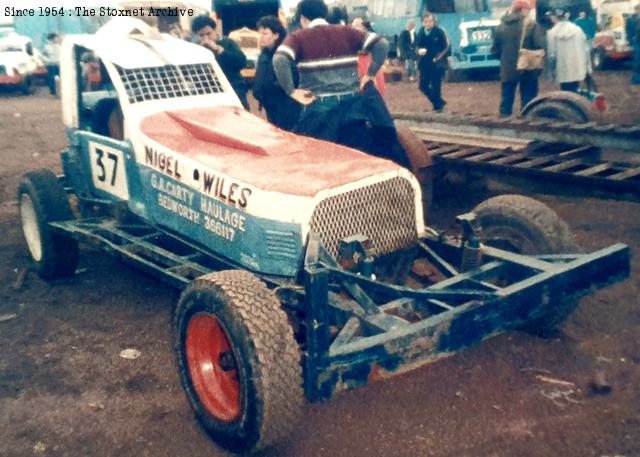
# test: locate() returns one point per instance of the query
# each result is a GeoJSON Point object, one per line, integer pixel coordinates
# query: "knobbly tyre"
{"type": "Point", "coordinates": [306, 266]}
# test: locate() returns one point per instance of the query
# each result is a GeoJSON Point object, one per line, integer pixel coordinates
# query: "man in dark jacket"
{"type": "Point", "coordinates": [633, 36]}
{"type": "Point", "coordinates": [407, 49]}
{"type": "Point", "coordinates": [228, 54]}
{"type": "Point", "coordinates": [282, 110]}
{"type": "Point", "coordinates": [433, 48]}
{"type": "Point", "coordinates": [506, 45]}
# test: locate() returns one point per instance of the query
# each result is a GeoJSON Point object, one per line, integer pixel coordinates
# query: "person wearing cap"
{"type": "Point", "coordinates": [514, 30]}
{"type": "Point", "coordinates": [568, 51]}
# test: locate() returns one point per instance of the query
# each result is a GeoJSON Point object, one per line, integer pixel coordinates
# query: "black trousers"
{"type": "Point", "coordinates": [528, 91]}
{"type": "Point", "coordinates": [52, 72]}
{"type": "Point", "coordinates": [572, 86]}
{"type": "Point", "coordinates": [431, 85]}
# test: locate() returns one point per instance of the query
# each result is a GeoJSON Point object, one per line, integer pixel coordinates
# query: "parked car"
{"type": "Point", "coordinates": [611, 44]}
{"type": "Point", "coordinates": [474, 50]}
{"type": "Point", "coordinates": [20, 63]}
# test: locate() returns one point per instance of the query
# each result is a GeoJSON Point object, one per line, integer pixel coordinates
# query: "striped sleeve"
{"type": "Point", "coordinates": [290, 47]}
{"type": "Point", "coordinates": [369, 41]}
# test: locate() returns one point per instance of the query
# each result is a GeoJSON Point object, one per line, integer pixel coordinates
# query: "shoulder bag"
{"type": "Point", "coordinates": [529, 59]}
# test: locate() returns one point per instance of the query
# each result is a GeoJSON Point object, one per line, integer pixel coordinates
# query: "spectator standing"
{"type": "Point", "coordinates": [432, 48]}
{"type": "Point", "coordinates": [588, 26]}
{"type": "Point", "coordinates": [339, 106]}
{"type": "Point", "coordinates": [228, 54]}
{"type": "Point", "coordinates": [364, 59]}
{"type": "Point", "coordinates": [633, 36]}
{"type": "Point", "coordinates": [407, 49]}
{"type": "Point", "coordinates": [513, 32]}
{"type": "Point", "coordinates": [281, 109]}
{"type": "Point", "coordinates": [52, 59]}
{"type": "Point", "coordinates": [568, 52]}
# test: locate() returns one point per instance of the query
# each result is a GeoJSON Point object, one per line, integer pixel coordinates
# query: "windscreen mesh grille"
{"type": "Point", "coordinates": [385, 212]}
{"type": "Point", "coordinates": [169, 81]}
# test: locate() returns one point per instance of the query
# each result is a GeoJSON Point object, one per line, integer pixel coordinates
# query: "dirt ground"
{"type": "Point", "coordinates": [64, 390]}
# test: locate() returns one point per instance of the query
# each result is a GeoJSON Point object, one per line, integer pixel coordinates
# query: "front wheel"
{"type": "Point", "coordinates": [27, 86]}
{"type": "Point", "coordinates": [239, 362]}
{"type": "Point", "coordinates": [526, 226]}
{"type": "Point", "coordinates": [41, 200]}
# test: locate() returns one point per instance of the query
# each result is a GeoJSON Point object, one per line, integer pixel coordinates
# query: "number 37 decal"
{"type": "Point", "coordinates": [108, 170]}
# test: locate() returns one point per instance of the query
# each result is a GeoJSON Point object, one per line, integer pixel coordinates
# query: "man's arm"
{"type": "Point", "coordinates": [445, 47]}
{"type": "Point", "coordinates": [232, 56]}
{"type": "Point", "coordinates": [379, 49]}
{"type": "Point", "coordinates": [282, 63]}
{"type": "Point", "coordinates": [284, 74]}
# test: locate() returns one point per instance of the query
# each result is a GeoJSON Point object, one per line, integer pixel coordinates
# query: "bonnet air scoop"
{"type": "Point", "coordinates": [215, 135]}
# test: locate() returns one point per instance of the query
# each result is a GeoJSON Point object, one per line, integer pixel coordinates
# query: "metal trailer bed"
{"type": "Point", "coordinates": [547, 151]}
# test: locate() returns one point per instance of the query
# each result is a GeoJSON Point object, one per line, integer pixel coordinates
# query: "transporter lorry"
{"type": "Point", "coordinates": [306, 267]}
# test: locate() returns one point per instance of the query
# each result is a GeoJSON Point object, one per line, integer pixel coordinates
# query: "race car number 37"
{"type": "Point", "coordinates": [108, 170]}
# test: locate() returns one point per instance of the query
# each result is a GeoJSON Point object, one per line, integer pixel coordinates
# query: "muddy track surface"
{"type": "Point", "coordinates": [64, 390]}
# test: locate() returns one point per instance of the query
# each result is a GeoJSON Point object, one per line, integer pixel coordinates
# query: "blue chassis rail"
{"type": "Point", "coordinates": [359, 330]}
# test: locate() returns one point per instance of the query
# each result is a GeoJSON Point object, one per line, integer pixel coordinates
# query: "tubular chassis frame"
{"type": "Point", "coordinates": [356, 329]}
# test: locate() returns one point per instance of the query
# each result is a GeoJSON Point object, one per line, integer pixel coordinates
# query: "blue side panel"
{"type": "Point", "coordinates": [101, 167]}
{"type": "Point", "coordinates": [257, 244]}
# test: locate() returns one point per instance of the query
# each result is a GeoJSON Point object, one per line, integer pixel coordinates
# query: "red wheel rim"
{"type": "Point", "coordinates": [212, 367]}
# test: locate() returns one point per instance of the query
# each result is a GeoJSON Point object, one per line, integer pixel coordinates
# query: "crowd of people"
{"type": "Point", "coordinates": [325, 80]}
{"type": "Point", "coordinates": [302, 75]}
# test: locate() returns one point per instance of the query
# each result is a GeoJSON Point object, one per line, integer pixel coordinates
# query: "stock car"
{"type": "Point", "coordinates": [307, 267]}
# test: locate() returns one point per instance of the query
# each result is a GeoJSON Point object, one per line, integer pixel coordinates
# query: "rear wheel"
{"type": "Point", "coordinates": [27, 86]}
{"type": "Point", "coordinates": [557, 111]}
{"type": "Point", "coordinates": [239, 362]}
{"type": "Point", "coordinates": [526, 226]}
{"type": "Point", "coordinates": [41, 200]}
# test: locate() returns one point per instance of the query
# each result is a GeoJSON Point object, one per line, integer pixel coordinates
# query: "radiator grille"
{"type": "Point", "coordinates": [384, 212]}
{"type": "Point", "coordinates": [169, 81]}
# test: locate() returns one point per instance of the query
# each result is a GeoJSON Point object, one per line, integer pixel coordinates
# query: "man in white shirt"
{"type": "Point", "coordinates": [52, 59]}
